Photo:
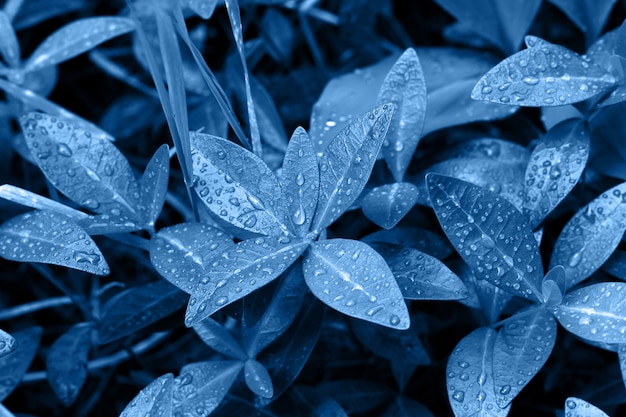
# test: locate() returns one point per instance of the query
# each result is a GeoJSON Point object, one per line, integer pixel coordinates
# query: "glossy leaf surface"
{"type": "Point", "coordinates": [155, 400]}
{"type": "Point", "coordinates": [581, 408]}
{"type": "Point", "coordinates": [553, 286]}
{"type": "Point", "coordinates": [388, 204]}
{"type": "Point", "coordinates": [258, 379]}
{"type": "Point", "coordinates": [215, 336]}
{"type": "Point", "coordinates": [7, 343]}
{"type": "Point", "coordinates": [14, 365]}
{"type": "Point", "coordinates": [153, 185]}
{"type": "Point", "coordinates": [36, 201]}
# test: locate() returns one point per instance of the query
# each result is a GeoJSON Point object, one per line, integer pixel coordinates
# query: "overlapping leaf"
{"type": "Point", "coordinates": [14, 365]}
{"type": "Point", "coordinates": [7, 343]}
{"type": "Point", "coordinates": [420, 239]}
{"type": "Point", "coordinates": [354, 279]}
{"type": "Point", "coordinates": [553, 286]}
{"type": "Point", "coordinates": [490, 234]}
{"type": "Point", "coordinates": [9, 45]}
{"type": "Point", "coordinates": [28, 198]}
{"type": "Point", "coordinates": [153, 185]}
{"type": "Point", "coordinates": [589, 15]}
{"type": "Point", "coordinates": [155, 400]}
{"type": "Point", "coordinates": [258, 379]}
{"type": "Point", "coordinates": [387, 204]}
{"type": "Point", "coordinates": [215, 336]}
{"type": "Point", "coordinates": [581, 408]}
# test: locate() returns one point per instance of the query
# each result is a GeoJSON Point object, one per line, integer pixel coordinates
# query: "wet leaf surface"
{"type": "Point", "coordinates": [582, 408]}
{"type": "Point", "coordinates": [218, 338]}
{"type": "Point", "coordinates": [13, 366]}
{"type": "Point", "coordinates": [154, 400]}
{"type": "Point", "coordinates": [153, 185]}
{"type": "Point", "coordinates": [388, 204]}
{"type": "Point", "coordinates": [7, 343]}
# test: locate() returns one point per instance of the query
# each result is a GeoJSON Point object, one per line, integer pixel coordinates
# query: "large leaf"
{"type": "Point", "coordinates": [469, 376]}
{"type": "Point", "coordinates": [347, 162]}
{"type": "Point", "coordinates": [237, 186]}
{"type": "Point", "coordinates": [155, 400]}
{"type": "Point", "coordinates": [522, 347]}
{"type": "Point", "coordinates": [490, 234]}
{"type": "Point", "coordinates": [554, 168]}
{"type": "Point", "coordinates": [354, 279]}
{"type": "Point", "coordinates": [7, 343]}
{"type": "Point", "coordinates": [596, 312]}
{"type": "Point", "coordinates": [153, 185]}
{"type": "Point", "coordinates": [388, 204]}
{"type": "Point", "coordinates": [591, 236]}
{"type": "Point", "coordinates": [589, 15]}
{"type": "Point", "coordinates": [66, 362]}
{"type": "Point", "coordinates": [89, 170]}
{"type": "Point", "coordinates": [14, 365]}
{"type": "Point", "coordinates": [215, 336]}
{"type": "Point", "coordinates": [405, 87]}
{"type": "Point", "coordinates": [581, 408]}
{"type": "Point", "coordinates": [543, 75]}
{"type": "Point", "coordinates": [28, 198]}
{"type": "Point", "coordinates": [77, 37]}
{"type": "Point", "coordinates": [48, 237]}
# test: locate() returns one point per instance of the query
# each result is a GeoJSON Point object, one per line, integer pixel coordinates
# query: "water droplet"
{"type": "Point", "coordinates": [64, 150]}
{"type": "Point", "coordinates": [464, 377]}
{"type": "Point", "coordinates": [372, 311]}
{"type": "Point", "coordinates": [84, 257]}
{"type": "Point", "coordinates": [250, 222]}
{"type": "Point", "coordinates": [486, 89]}
{"type": "Point", "coordinates": [299, 216]}
{"type": "Point", "coordinates": [575, 259]}
{"type": "Point", "coordinates": [300, 179]}
{"type": "Point", "coordinates": [531, 80]}
{"type": "Point", "coordinates": [463, 364]}
{"type": "Point", "coordinates": [221, 301]}
{"type": "Point", "coordinates": [570, 404]}
{"type": "Point", "coordinates": [256, 203]}
{"type": "Point", "coordinates": [221, 155]}
{"type": "Point", "coordinates": [394, 320]}
{"type": "Point", "coordinates": [108, 170]}
{"type": "Point", "coordinates": [508, 260]}
{"type": "Point", "coordinates": [90, 204]}
{"type": "Point", "coordinates": [505, 389]}
{"type": "Point", "coordinates": [555, 172]}
{"type": "Point", "coordinates": [458, 396]}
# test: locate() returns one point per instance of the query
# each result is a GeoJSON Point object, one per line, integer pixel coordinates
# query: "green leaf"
{"type": "Point", "coordinates": [489, 233]}
{"type": "Point", "coordinates": [258, 379]}
{"type": "Point", "coordinates": [582, 408]}
{"type": "Point", "coordinates": [354, 279]}
{"type": "Point", "coordinates": [47, 237]}
{"type": "Point", "coordinates": [387, 204]}
{"type": "Point", "coordinates": [153, 185]}
{"type": "Point", "coordinates": [155, 400]}
{"type": "Point", "coordinates": [215, 336]}
{"type": "Point", "coordinates": [14, 365]}
{"type": "Point", "coordinates": [7, 343]}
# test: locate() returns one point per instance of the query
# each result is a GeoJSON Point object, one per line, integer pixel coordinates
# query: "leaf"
{"type": "Point", "coordinates": [490, 234]}
{"type": "Point", "coordinates": [357, 395]}
{"type": "Point", "coordinates": [589, 238]}
{"type": "Point", "coordinates": [589, 15]}
{"type": "Point", "coordinates": [543, 75]}
{"type": "Point", "coordinates": [421, 239]}
{"type": "Point", "coordinates": [154, 400]}
{"type": "Point", "coordinates": [47, 237]}
{"type": "Point", "coordinates": [406, 407]}
{"type": "Point", "coordinates": [258, 379]}
{"type": "Point", "coordinates": [66, 363]}
{"type": "Point", "coordinates": [388, 204]}
{"type": "Point", "coordinates": [137, 308]}
{"type": "Point", "coordinates": [14, 365]}
{"type": "Point", "coordinates": [522, 347]}
{"type": "Point", "coordinates": [595, 312]}
{"type": "Point", "coordinates": [153, 185]}
{"type": "Point", "coordinates": [77, 37]}
{"type": "Point", "coordinates": [555, 166]}
{"type": "Point", "coordinates": [7, 343]}
{"type": "Point", "coordinates": [182, 253]}
{"type": "Point", "coordinates": [251, 264]}
{"type": "Point", "coordinates": [421, 276]}
{"type": "Point", "coordinates": [203, 8]}
{"type": "Point", "coordinates": [621, 352]}
{"type": "Point", "coordinates": [32, 12]}
{"type": "Point", "coordinates": [103, 224]}
{"type": "Point", "coordinates": [30, 199]}
{"type": "Point", "coordinates": [215, 336]}
{"type": "Point", "coordinates": [9, 45]}
{"type": "Point", "coordinates": [354, 279]}
{"type": "Point", "coordinates": [4, 412]}
{"type": "Point", "coordinates": [582, 408]}
{"type": "Point", "coordinates": [237, 186]}
{"type": "Point", "coordinates": [346, 164]}
{"type": "Point", "coordinates": [90, 171]}
{"type": "Point", "coordinates": [201, 386]}
{"type": "Point", "coordinates": [553, 286]}
{"type": "Point", "coordinates": [469, 376]}
{"type": "Point", "coordinates": [300, 181]}
{"type": "Point", "coordinates": [404, 87]}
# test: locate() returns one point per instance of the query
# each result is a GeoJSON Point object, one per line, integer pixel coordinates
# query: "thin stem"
{"type": "Point", "coordinates": [33, 306]}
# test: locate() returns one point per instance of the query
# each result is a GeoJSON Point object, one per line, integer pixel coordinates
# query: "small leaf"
{"type": "Point", "coordinates": [346, 164]}
{"type": "Point", "coordinates": [469, 376]}
{"type": "Point", "coordinates": [36, 201]}
{"type": "Point", "coordinates": [155, 400]}
{"type": "Point", "coordinates": [554, 168]}
{"type": "Point", "coordinates": [490, 234]}
{"type": "Point", "coordinates": [258, 379]}
{"type": "Point", "coordinates": [421, 239]}
{"type": "Point", "coordinates": [251, 264]}
{"type": "Point", "coordinates": [388, 204]}
{"type": "Point", "coordinates": [67, 362]}
{"type": "Point", "coordinates": [590, 237]}
{"type": "Point", "coordinates": [137, 308]}
{"type": "Point", "coordinates": [354, 279]}
{"type": "Point", "coordinates": [522, 347]}
{"type": "Point", "coordinates": [300, 180]}
{"type": "Point", "coordinates": [7, 343]}
{"type": "Point", "coordinates": [589, 15]}
{"type": "Point", "coordinates": [237, 186]}
{"type": "Point", "coordinates": [89, 170]}
{"type": "Point", "coordinates": [13, 366]}
{"type": "Point", "coordinates": [553, 286]}
{"type": "Point", "coordinates": [215, 336]}
{"type": "Point", "coordinates": [582, 408]}
{"type": "Point", "coordinates": [595, 312]}
{"type": "Point", "coordinates": [182, 253]}
{"type": "Point", "coordinates": [77, 37]}
{"type": "Point", "coordinates": [543, 75]}
{"type": "Point", "coordinates": [153, 185]}
{"type": "Point", "coordinates": [9, 45]}
{"type": "Point", "coordinates": [203, 8]}
{"type": "Point", "coordinates": [404, 87]}
{"type": "Point", "coordinates": [47, 237]}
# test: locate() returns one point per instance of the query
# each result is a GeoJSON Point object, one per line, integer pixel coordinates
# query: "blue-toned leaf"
{"type": "Point", "coordinates": [201, 386]}
{"type": "Point", "coordinates": [77, 37]}
{"type": "Point", "coordinates": [553, 286]}
{"type": "Point", "coordinates": [406, 407]}
{"type": "Point", "coordinates": [203, 8]}
{"type": "Point", "coordinates": [238, 271]}
{"type": "Point", "coordinates": [89, 170]}
{"type": "Point", "coordinates": [543, 75]}
{"type": "Point", "coordinates": [258, 379]}
{"type": "Point", "coordinates": [405, 87]}
{"type": "Point", "coordinates": [155, 400]}
{"type": "Point", "coordinates": [9, 45]}
{"type": "Point", "coordinates": [489, 233]}
{"type": "Point", "coordinates": [347, 162]}
{"type": "Point", "coordinates": [215, 336]}
{"type": "Point", "coordinates": [4, 412]}
{"type": "Point", "coordinates": [357, 395]}
{"type": "Point", "coordinates": [388, 204]}
{"type": "Point", "coordinates": [47, 237]}
{"type": "Point", "coordinates": [621, 352]}
{"type": "Point", "coordinates": [278, 34]}
{"type": "Point", "coordinates": [469, 376]}
{"type": "Point", "coordinates": [300, 180]}
{"type": "Point", "coordinates": [552, 116]}
{"type": "Point", "coordinates": [354, 279]}
{"type": "Point", "coordinates": [465, 274]}
{"type": "Point", "coordinates": [590, 237]}
{"type": "Point", "coordinates": [137, 308]}
{"type": "Point", "coordinates": [7, 343]}
{"type": "Point", "coordinates": [421, 276]}
{"type": "Point", "coordinates": [182, 253]}
{"type": "Point", "coordinates": [554, 168]}
{"type": "Point", "coordinates": [522, 347]}
{"type": "Point", "coordinates": [14, 365]}
{"type": "Point", "coordinates": [66, 363]}
{"type": "Point", "coordinates": [494, 149]}
{"type": "Point", "coordinates": [237, 186]}
{"type": "Point", "coordinates": [589, 15]}
{"type": "Point", "coordinates": [28, 198]}
{"type": "Point", "coordinates": [420, 239]}
{"type": "Point", "coordinates": [104, 224]}
{"type": "Point", "coordinates": [616, 264]}
{"type": "Point", "coordinates": [33, 12]}
{"type": "Point", "coordinates": [581, 408]}
{"type": "Point", "coordinates": [153, 185]}
{"type": "Point", "coordinates": [492, 299]}
{"type": "Point", "coordinates": [595, 312]}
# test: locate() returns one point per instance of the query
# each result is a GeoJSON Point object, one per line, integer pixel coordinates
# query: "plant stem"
{"type": "Point", "coordinates": [33, 306]}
